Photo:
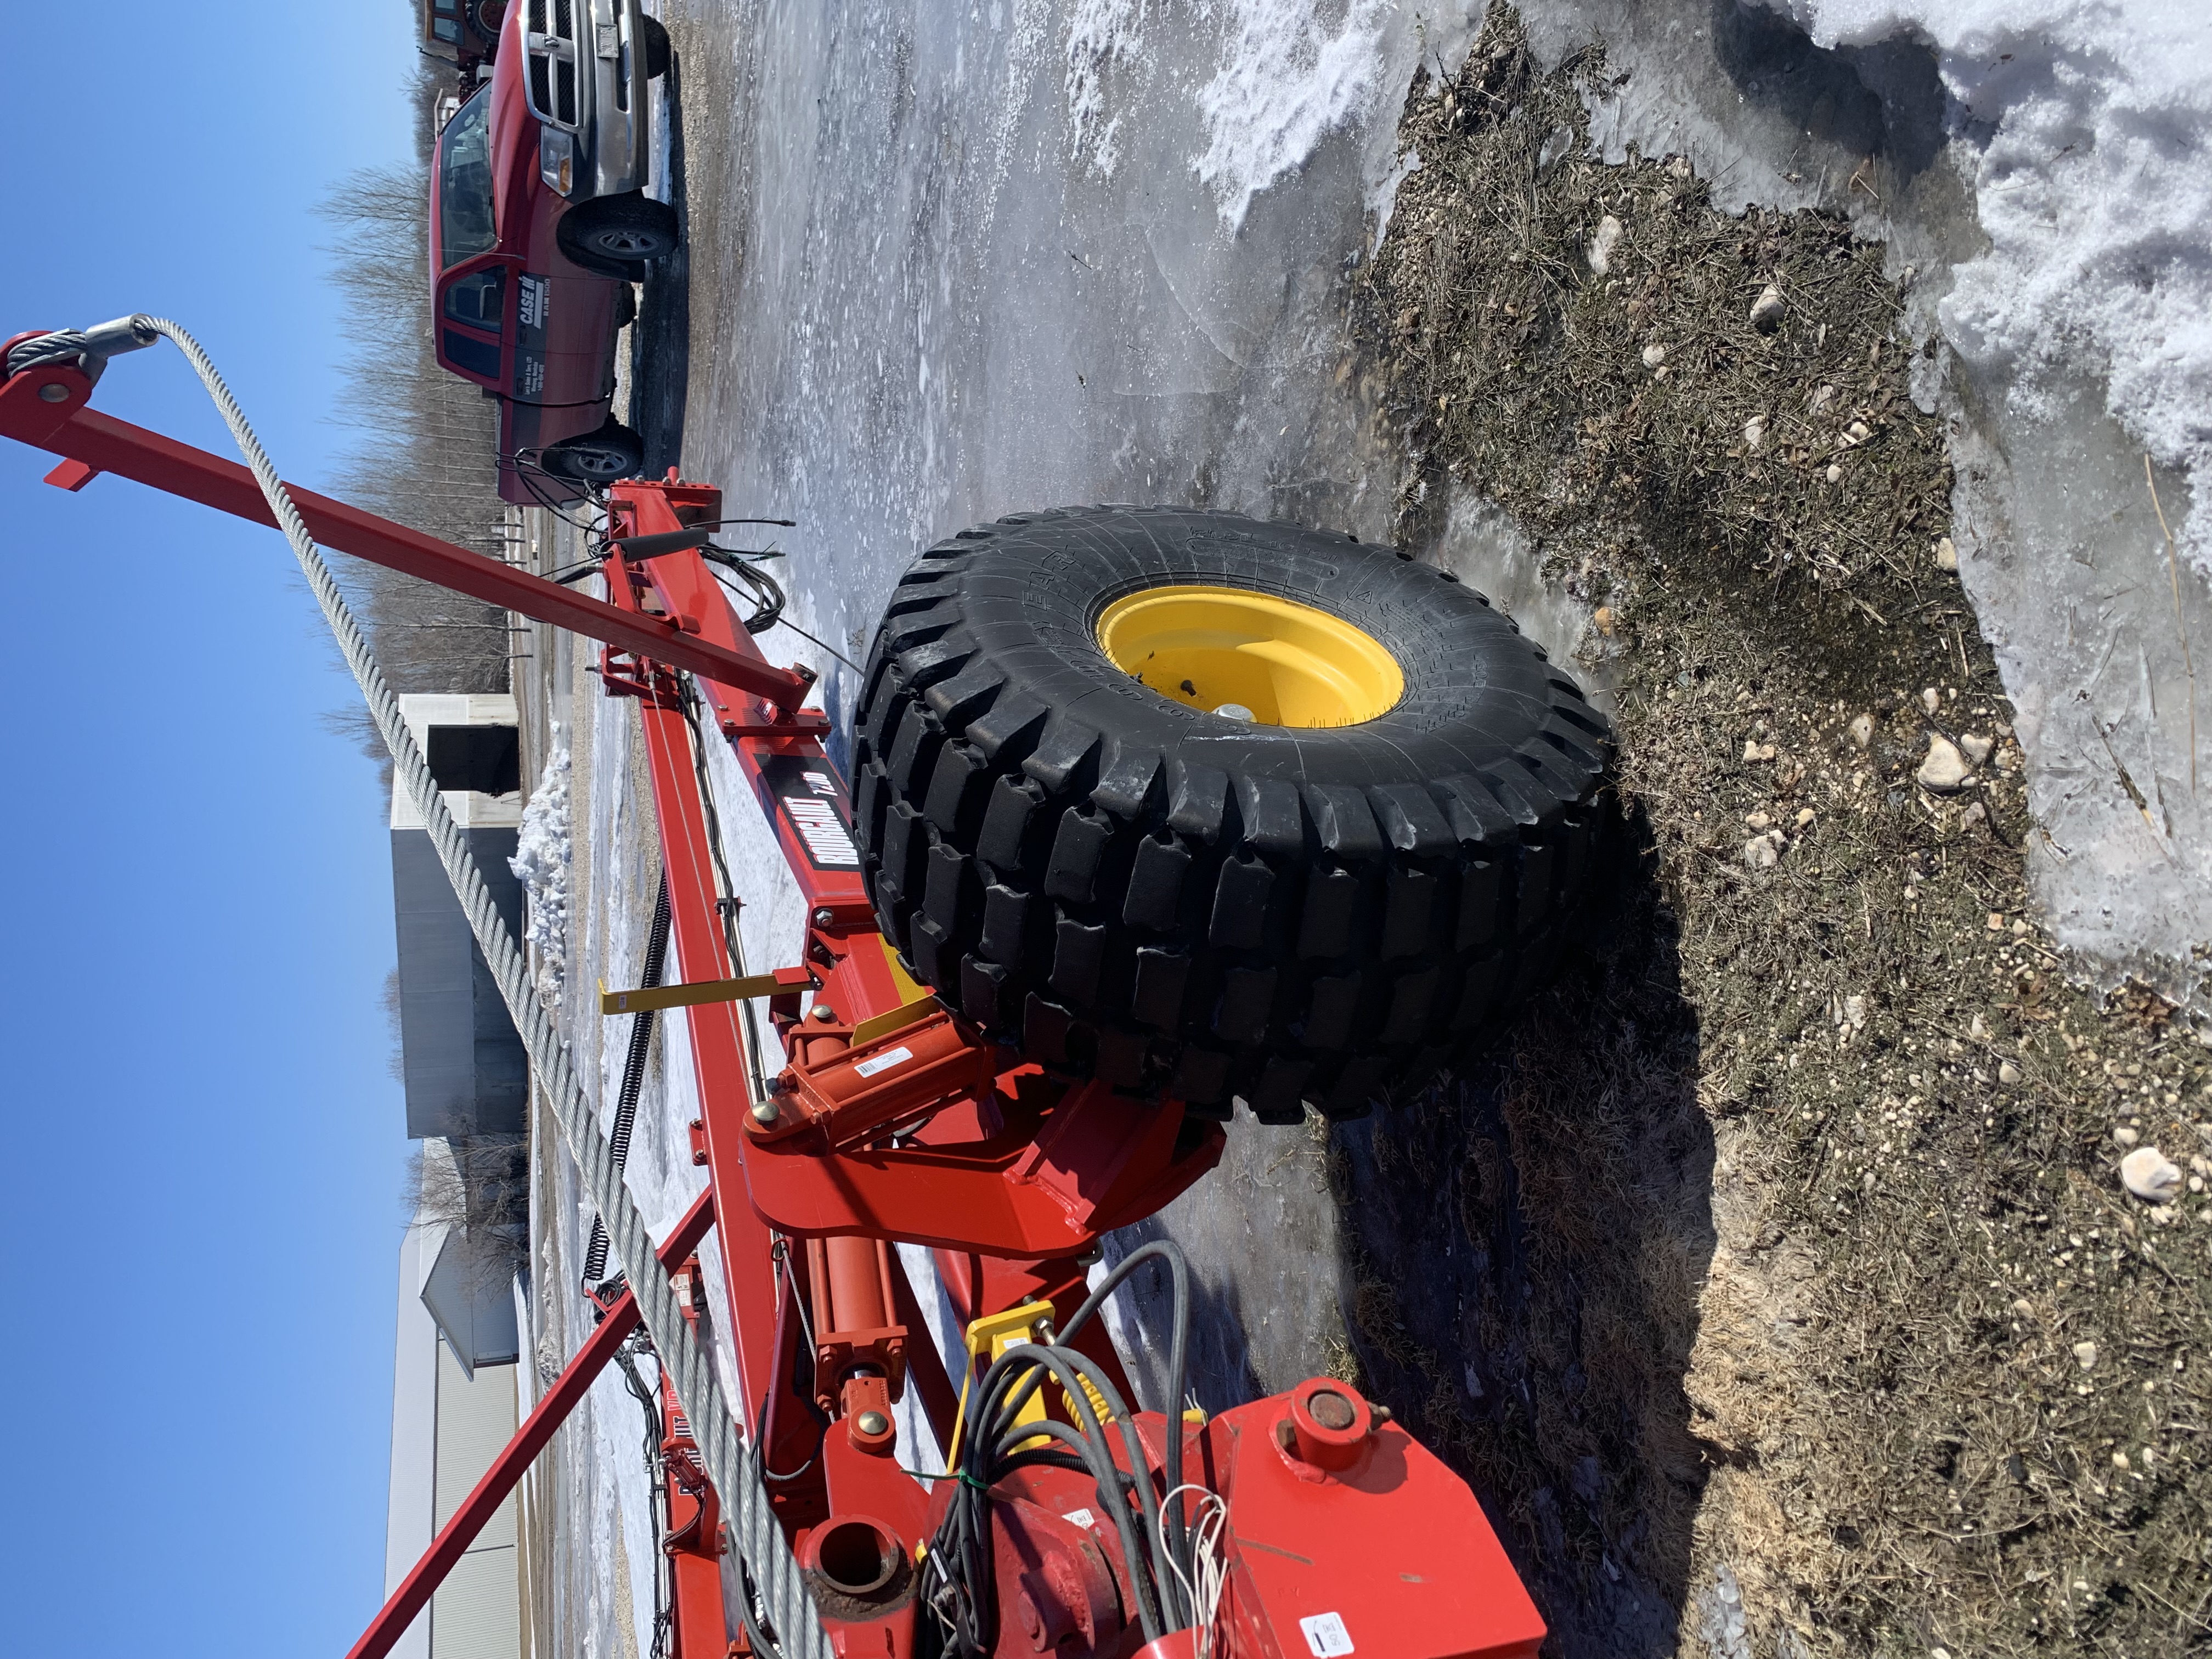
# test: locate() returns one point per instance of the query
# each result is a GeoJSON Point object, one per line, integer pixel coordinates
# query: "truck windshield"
{"type": "Point", "coordinates": [465, 228]}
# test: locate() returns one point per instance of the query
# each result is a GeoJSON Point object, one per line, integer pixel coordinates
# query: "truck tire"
{"type": "Point", "coordinates": [1068, 831]}
{"type": "Point", "coordinates": [655, 36]}
{"type": "Point", "coordinates": [612, 452]}
{"type": "Point", "coordinates": [618, 236]}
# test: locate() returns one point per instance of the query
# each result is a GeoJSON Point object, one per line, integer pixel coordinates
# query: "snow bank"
{"type": "Point", "coordinates": [1291, 73]}
{"type": "Point", "coordinates": [2094, 189]}
{"type": "Point", "coordinates": [543, 853]}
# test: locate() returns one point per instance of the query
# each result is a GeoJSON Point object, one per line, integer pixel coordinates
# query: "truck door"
{"type": "Point", "coordinates": [565, 338]}
{"type": "Point", "coordinates": [475, 328]}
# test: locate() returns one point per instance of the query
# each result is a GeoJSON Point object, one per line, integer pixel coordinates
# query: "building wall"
{"type": "Point", "coordinates": [445, 1431]}
{"type": "Point", "coordinates": [464, 1066]}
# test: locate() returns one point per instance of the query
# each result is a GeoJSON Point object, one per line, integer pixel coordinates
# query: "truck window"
{"type": "Point", "coordinates": [477, 359]}
{"type": "Point", "coordinates": [478, 298]}
{"type": "Point", "coordinates": [465, 228]}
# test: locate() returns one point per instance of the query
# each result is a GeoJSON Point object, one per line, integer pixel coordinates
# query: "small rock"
{"type": "Point", "coordinates": [2084, 1355]}
{"type": "Point", "coordinates": [1862, 730]}
{"type": "Point", "coordinates": [1978, 1028]}
{"type": "Point", "coordinates": [1759, 821]}
{"type": "Point", "coordinates": [1859, 432]}
{"type": "Point", "coordinates": [1835, 474]}
{"type": "Point", "coordinates": [1760, 852]}
{"type": "Point", "coordinates": [1973, 814]}
{"type": "Point", "coordinates": [1754, 432]}
{"type": "Point", "coordinates": [2007, 1074]}
{"type": "Point", "coordinates": [1601, 244]}
{"type": "Point", "coordinates": [1946, 557]}
{"type": "Point", "coordinates": [1805, 816]}
{"type": "Point", "coordinates": [1604, 620]}
{"type": "Point", "coordinates": [2124, 1136]}
{"type": "Point", "coordinates": [1930, 698]}
{"type": "Point", "coordinates": [1679, 167]}
{"type": "Point", "coordinates": [1654, 355]}
{"type": "Point", "coordinates": [1945, 769]}
{"type": "Point", "coordinates": [2149, 1177]}
{"type": "Point", "coordinates": [2201, 1164]}
{"type": "Point", "coordinates": [1766, 311]}
{"type": "Point", "coordinates": [1975, 747]}
{"type": "Point", "coordinates": [2023, 1307]}
{"type": "Point", "coordinates": [1854, 1010]}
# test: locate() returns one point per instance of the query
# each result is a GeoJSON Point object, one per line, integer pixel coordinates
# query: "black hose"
{"type": "Point", "coordinates": [1173, 1532]}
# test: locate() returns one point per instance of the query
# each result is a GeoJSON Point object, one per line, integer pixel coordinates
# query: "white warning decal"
{"type": "Point", "coordinates": [1326, 1635]}
{"type": "Point", "coordinates": [883, 1062]}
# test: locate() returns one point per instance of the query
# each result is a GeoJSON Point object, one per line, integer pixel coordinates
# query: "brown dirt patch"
{"type": "Point", "coordinates": [1777, 1224]}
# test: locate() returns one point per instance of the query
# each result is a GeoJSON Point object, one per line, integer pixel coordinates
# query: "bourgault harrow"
{"type": "Point", "coordinates": [1303, 1526]}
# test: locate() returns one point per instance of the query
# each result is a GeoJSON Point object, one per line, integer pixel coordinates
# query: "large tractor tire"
{"type": "Point", "coordinates": [1217, 808]}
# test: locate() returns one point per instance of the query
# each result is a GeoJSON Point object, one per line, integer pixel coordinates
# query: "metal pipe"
{"type": "Point", "coordinates": [568, 1388]}
{"type": "Point", "coordinates": [31, 413]}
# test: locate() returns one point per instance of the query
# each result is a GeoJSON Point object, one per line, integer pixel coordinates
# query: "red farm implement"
{"type": "Point", "coordinates": [1303, 1526]}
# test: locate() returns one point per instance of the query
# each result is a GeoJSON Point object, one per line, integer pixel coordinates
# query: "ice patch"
{"type": "Point", "coordinates": [543, 853]}
{"type": "Point", "coordinates": [2094, 188]}
{"type": "Point", "coordinates": [1289, 77]}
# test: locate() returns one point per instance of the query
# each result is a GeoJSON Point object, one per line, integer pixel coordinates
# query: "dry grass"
{"type": "Point", "coordinates": [1770, 1234]}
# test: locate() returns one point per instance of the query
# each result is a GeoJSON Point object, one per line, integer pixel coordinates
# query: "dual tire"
{"type": "Point", "coordinates": [1096, 861]}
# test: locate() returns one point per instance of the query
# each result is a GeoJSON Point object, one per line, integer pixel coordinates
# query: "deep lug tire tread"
{"type": "Point", "coordinates": [1080, 883]}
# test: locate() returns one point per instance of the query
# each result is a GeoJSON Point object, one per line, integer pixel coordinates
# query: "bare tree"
{"type": "Point", "coordinates": [426, 452]}
{"type": "Point", "coordinates": [478, 1186]}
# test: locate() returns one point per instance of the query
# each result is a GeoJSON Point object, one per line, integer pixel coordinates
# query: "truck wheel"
{"type": "Point", "coordinates": [618, 235]}
{"type": "Point", "coordinates": [1217, 808]}
{"type": "Point", "coordinates": [613, 452]}
{"type": "Point", "coordinates": [654, 33]}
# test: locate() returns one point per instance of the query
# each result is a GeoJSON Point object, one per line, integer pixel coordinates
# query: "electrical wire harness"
{"type": "Point", "coordinates": [1171, 1565]}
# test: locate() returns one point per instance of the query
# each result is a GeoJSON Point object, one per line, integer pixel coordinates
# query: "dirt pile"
{"type": "Point", "coordinates": [1775, 1281]}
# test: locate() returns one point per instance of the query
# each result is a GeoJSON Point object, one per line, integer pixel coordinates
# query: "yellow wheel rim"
{"type": "Point", "coordinates": [1250, 656]}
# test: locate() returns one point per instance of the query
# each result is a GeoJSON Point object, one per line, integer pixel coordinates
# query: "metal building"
{"type": "Point", "coordinates": [465, 1067]}
{"type": "Point", "coordinates": [447, 1427]}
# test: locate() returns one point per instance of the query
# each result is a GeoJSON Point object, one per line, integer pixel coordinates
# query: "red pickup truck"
{"type": "Point", "coordinates": [539, 224]}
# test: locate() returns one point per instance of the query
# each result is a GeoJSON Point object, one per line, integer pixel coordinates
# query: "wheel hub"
{"type": "Point", "coordinates": [1250, 657]}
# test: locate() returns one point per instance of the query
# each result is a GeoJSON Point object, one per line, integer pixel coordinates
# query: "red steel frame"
{"type": "Point", "coordinates": [1010, 1176]}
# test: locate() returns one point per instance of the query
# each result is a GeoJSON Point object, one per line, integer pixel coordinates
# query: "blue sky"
{"type": "Point", "coordinates": [206, 1145]}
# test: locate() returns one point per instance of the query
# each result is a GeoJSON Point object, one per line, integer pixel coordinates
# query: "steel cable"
{"type": "Point", "coordinates": [730, 1462]}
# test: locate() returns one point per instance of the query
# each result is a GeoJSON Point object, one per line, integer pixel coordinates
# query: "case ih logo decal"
{"type": "Point", "coordinates": [808, 792]}
{"type": "Point", "coordinates": [532, 293]}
